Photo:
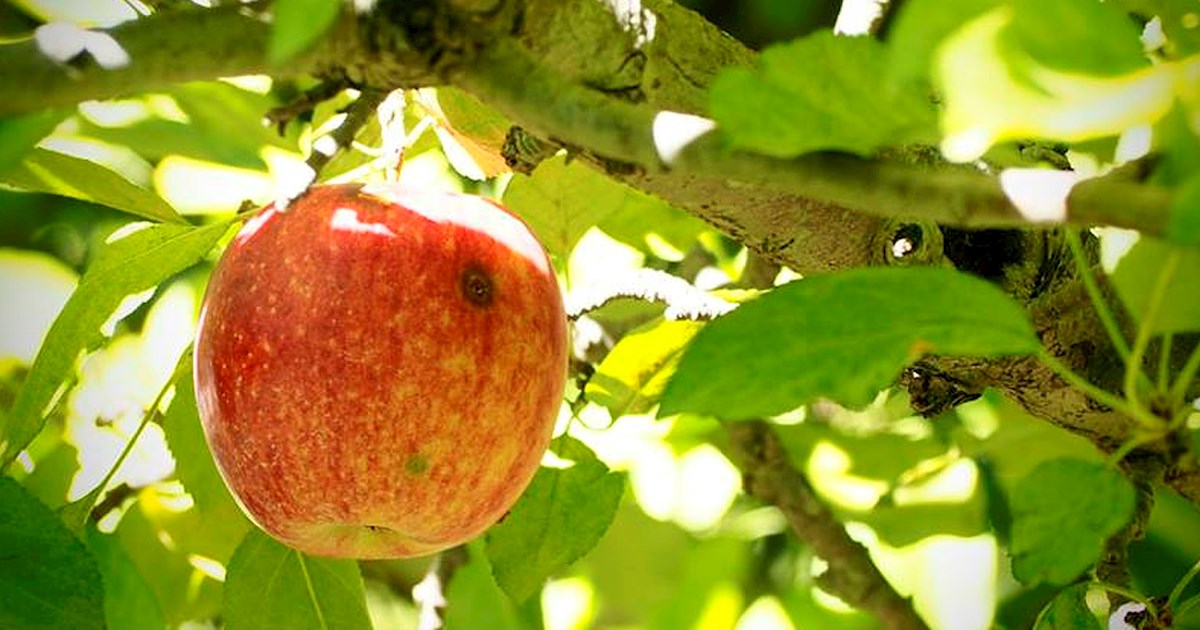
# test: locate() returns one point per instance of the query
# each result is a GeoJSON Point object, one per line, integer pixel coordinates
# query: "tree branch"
{"type": "Point", "coordinates": [851, 575]}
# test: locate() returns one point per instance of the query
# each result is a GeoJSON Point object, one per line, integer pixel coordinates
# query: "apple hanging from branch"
{"type": "Point", "coordinates": [378, 371]}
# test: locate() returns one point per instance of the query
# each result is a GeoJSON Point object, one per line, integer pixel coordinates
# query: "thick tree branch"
{"type": "Point", "coordinates": [163, 50]}
{"type": "Point", "coordinates": [852, 576]}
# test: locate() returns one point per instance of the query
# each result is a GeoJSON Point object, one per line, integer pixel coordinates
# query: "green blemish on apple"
{"type": "Point", "coordinates": [416, 465]}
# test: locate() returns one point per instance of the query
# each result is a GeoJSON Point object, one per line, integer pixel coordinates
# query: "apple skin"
{"type": "Point", "coordinates": [379, 371]}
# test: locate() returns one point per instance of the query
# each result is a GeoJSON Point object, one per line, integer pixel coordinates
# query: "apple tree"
{"type": "Point", "coordinates": [882, 314]}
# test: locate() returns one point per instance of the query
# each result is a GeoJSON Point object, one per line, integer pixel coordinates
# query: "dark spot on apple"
{"type": "Point", "coordinates": [476, 285]}
{"type": "Point", "coordinates": [377, 528]}
{"type": "Point", "coordinates": [417, 464]}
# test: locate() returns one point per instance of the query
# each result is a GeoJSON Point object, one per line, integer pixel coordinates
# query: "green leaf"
{"type": "Point", "coordinates": [129, 265]}
{"type": "Point", "coordinates": [563, 199]}
{"type": "Point", "coordinates": [47, 577]}
{"type": "Point", "coordinates": [1183, 226]}
{"type": "Point", "coordinates": [644, 222]}
{"type": "Point", "coordinates": [1083, 36]}
{"type": "Point", "coordinates": [843, 336]}
{"type": "Point", "coordinates": [919, 29]}
{"type": "Point", "coordinates": [298, 25]}
{"type": "Point", "coordinates": [194, 464]}
{"type": "Point", "coordinates": [268, 585]}
{"type": "Point", "coordinates": [20, 134]}
{"type": "Point", "coordinates": [1137, 276]}
{"type": "Point", "coordinates": [1063, 511]}
{"type": "Point", "coordinates": [823, 92]}
{"type": "Point", "coordinates": [473, 600]}
{"type": "Point", "coordinates": [230, 115]}
{"type": "Point", "coordinates": [1068, 611]}
{"type": "Point", "coordinates": [128, 600]}
{"type": "Point", "coordinates": [560, 517]}
{"type": "Point", "coordinates": [633, 374]}
{"type": "Point", "coordinates": [61, 174]}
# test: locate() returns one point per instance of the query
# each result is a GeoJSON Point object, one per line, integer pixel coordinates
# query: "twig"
{"type": "Point", "coordinates": [852, 576]}
{"type": "Point", "coordinates": [358, 114]}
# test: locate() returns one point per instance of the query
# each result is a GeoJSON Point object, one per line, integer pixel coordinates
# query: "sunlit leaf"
{"type": "Point", "coordinates": [1063, 511]}
{"type": "Point", "coordinates": [298, 25]}
{"type": "Point", "coordinates": [471, 130]}
{"type": "Point", "coordinates": [19, 134]}
{"type": "Point", "coordinates": [919, 28]}
{"type": "Point", "coordinates": [822, 92]}
{"type": "Point", "coordinates": [559, 518]}
{"type": "Point", "coordinates": [152, 531]}
{"type": "Point", "coordinates": [802, 336]}
{"type": "Point", "coordinates": [1068, 611]}
{"type": "Point", "coordinates": [1138, 275]}
{"type": "Point", "coordinates": [473, 600]}
{"type": "Point", "coordinates": [61, 174]}
{"type": "Point", "coordinates": [128, 600]}
{"type": "Point", "coordinates": [129, 265]}
{"type": "Point", "coordinates": [47, 577]}
{"type": "Point", "coordinates": [633, 374]}
{"type": "Point", "coordinates": [562, 199]}
{"type": "Point", "coordinates": [993, 91]}
{"type": "Point", "coordinates": [268, 585]}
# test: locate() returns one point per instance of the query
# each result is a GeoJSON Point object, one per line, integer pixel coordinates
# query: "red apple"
{"type": "Point", "coordinates": [378, 371]}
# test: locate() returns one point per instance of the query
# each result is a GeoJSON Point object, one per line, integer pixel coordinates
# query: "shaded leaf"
{"type": "Point", "coordinates": [1083, 36]}
{"type": "Point", "coordinates": [268, 585]}
{"type": "Point", "coordinates": [1137, 275]}
{"type": "Point", "coordinates": [20, 134]}
{"type": "Point", "coordinates": [802, 336]}
{"type": "Point", "coordinates": [562, 200]}
{"type": "Point", "coordinates": [298, 25]}
{"type": "Point", "coordinates": [473, 600]}
{"type": "Point", "coordinates": [632, 376]}
{"type": "Point", "coordinates": [562, 514]}
{"type": "Point", "coordinates": [128, 600]}
{"type": "Point", "coordinates": [1063, 511]}
{"type": "Point", "coordinates": [194, 465]}
{"type": "Point", "coordinates": [1068, 611]}
{"type": "Point", "coordinates": [61, 174]}
{"type": "Point", "coordinates": [47, 577]}
{"type": "Point", "coordinates": [823, 92]}
{"type": "Point", "coordinates": [1183, 227]}
{"type": "Point", "coordinates": [129, 265]}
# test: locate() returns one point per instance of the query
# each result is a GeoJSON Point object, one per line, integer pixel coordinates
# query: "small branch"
{"type": "Point", "coordinates": [851, 575]}
{"type": "Point", "coordinates": [112, 500]}
{"type": "Point", "coordinates": [358, 114]}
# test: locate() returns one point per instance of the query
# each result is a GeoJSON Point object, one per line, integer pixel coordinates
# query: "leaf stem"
{"type": "Point", "coordinates": [1133, 365]}
{"type": "Point", "coordinates": [1116, 403]}
{"type": "Point", "coordinates": [1093, 290]}
{"type": "Point", "coordinates": [1185, 377]}
{"type": "Point", "coordinates": [1163, 385]}
{"type": "Point", "coordinates": [1177, 592]}
{"type": "Point", "coordinates": [151, 412]}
